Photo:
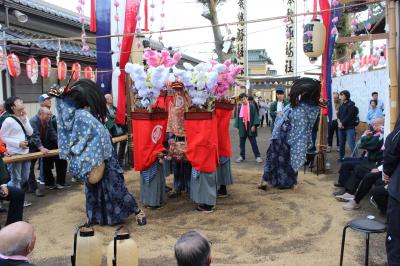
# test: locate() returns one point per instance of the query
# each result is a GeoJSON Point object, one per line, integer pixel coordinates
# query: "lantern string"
{"type": "Point", "coordinates": [196, 27]}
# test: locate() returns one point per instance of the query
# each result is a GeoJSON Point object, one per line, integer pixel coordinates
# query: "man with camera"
{"type": "Point", "coordinates": [15, 132]}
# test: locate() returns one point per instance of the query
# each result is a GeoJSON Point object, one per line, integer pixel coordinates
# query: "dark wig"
{"type": "Point", "coordinates": [305, 90]}
{"type": "Point", "coordinates": [86, 93]}
{"type": "Point", "coordinates": [10, 102]}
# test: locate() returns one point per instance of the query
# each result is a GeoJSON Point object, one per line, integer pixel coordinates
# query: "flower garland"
{"type": "Point", "coordinates": [150, 81]}
{"type": "Point", "coordinates": [80, 8]}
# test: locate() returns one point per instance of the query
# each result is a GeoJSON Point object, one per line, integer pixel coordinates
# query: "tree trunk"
{"type": "Point", "coordinates": [218, 39]}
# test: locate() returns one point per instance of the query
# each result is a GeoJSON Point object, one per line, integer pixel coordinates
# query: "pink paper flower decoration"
{"type": "Point", "coordinates": [138, 18]}
{"type": "Point", "coordinates": [334, 31]}
{"type": "Point", "coordinates": [116, 3]}
{"type": "Point", "coordinates": [116, 17]}
{"type": "Point", "coordinates": [152, 5]}
{"type": "Point", "coordinates": [81, 19]}
{"type": "Point", "coordinates": [152, 19]}
{"type": "Point", "coordinates": [162, 15]}
{"type": "Point", "coordinates": [335, 20]}
{"type": "Point", "coordinates": [369, 26]}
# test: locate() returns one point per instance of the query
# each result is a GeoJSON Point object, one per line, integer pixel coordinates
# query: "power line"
{"type": "Point", "coordinates": [196, 27]}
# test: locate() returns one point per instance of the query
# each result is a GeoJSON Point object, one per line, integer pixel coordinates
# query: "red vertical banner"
{"type": "Point", "coordinates": [92, 15]}
{"type": "Point", "coordinates": [131, 11]}
{"type": "Point", "coordinates": [326, 18]}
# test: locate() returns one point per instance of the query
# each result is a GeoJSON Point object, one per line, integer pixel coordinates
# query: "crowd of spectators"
{"type": "Point", "coordinates": [20, 135]}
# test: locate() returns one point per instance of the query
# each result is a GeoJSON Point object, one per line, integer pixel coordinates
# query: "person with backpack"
{"type": "Point", "coordinates": [347, 121]}
{"type": "Point", "coordinates": [15, 132]}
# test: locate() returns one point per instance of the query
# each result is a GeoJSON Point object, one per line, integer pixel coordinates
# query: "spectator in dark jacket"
{"type": "Point", "coordinates": [353, 170]}
{"type": "Point", "coordinates": [44, 138]}
{"type": "Point", "coordinates": [347, 117]}
{"type": "Point", "coordinates": [391, 174]}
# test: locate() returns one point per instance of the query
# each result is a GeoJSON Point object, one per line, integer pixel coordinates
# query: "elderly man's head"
{"type": "Point", "coordinates": [378, 123]}
{"type": "Point", "coordinates": [193, 249]}
{"type": "Point", "coordinates": [44, 114]}
{"type": "Point", "coordinates": [109, 99]}
{"type": "Point", "coordinates": [17, 239]}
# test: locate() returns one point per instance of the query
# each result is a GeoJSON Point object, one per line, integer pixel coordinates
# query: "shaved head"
{"type": "Point", "coordinates": [17, 239]}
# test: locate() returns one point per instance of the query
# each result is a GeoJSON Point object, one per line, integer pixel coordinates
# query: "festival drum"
{"type": "Point", "coordinates": [87, 247]}
{"type": "Point", "coordinates": [122, 250]}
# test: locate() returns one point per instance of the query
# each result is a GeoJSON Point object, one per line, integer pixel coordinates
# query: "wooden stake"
{"type": "Point", "coordinates": [393, 86]}
{"type": "Point", "coordinates": [129, 119]}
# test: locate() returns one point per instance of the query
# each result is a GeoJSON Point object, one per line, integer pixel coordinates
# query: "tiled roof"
{"type": "Point", "coordinates": [258, 55]}
{"type": "Point", "coordinates": [50, 9]}
{"type": "Point", "coordinates": [68, 47]}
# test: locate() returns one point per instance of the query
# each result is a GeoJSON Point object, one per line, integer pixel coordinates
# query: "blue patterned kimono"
{"type": "Point", "coordinates": [86, 143]}
{"type": "Point", "coordinates": [291, 137]}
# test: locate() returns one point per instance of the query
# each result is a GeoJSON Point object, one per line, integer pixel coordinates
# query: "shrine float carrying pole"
{"type": "Point", "coordinates": [393, 79]}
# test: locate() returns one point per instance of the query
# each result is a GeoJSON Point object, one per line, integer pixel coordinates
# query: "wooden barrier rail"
{"type": "Point", "coordinates": [37, 155]}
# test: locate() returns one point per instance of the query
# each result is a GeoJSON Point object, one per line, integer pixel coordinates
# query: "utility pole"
{"type": "Point", "coordinates": [393, 86]}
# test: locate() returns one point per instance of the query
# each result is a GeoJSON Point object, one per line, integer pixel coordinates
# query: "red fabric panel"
{"type": "Point", "coordinates": [326, 18]}
{"type": "Point", "coordinates": [202, 144]}
{"type": "Point", "coordinates": [93, 15]}
{"type": "Point", "coordinates": [131, 11]}
{"type": "Point", "coordinates": [163, 102]}
{"type": "Point", "coordinates": [148, 137]}
{"type": "Point", "coordinates": [224, 138]}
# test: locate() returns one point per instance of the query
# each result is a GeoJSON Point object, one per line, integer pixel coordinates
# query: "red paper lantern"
{"type": "Point", "coordinates": [346, 67]}
{"type": "Point", "coordinates": [365, 60]}
{"type": "Point", "coordinates": [13, 65]}
{"type": "Point", "coordinates": [45, 67]}
{"type": "Point", "coordinates": [76, 70]}
{"type": "Point", "coordinates": [61, 70]}
{"type": "Point", "coordinates": [32, 70]}
{"type": "Point", "coordinates": [88, 73]}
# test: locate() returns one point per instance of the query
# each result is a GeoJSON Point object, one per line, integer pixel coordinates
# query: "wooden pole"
{"type": "Point", "coordinates": [129, 119]}
{"type": "Point", "coordinates": [51, 153]}
{"type": "Point", "coordinates": [393, 86]}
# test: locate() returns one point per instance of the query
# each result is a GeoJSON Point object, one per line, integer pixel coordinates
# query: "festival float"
{"type": "Point", "coordinates": [149, 116]}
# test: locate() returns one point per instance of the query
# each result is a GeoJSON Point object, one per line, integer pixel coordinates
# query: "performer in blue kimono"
{"type": "Point", "coordinates": [84, 141]}
{"type": "Point", "coordinates": [291, 136]}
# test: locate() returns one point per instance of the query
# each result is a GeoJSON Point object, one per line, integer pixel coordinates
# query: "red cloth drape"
{"type": "Point", "coordinates": [326, 18]}
{"type": "Point", "coordinates": [202, 144]}
{"type": "Point", "coordinates": [93, 15]}
{"type": "Point", "coordinates": [148, 140]}
{"type": "Point", "coordinates": [224, 139]}
{"type": "Point", "coordinates": [163, 102]}
{"type": "Point", "coordinates": [131, 11]}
